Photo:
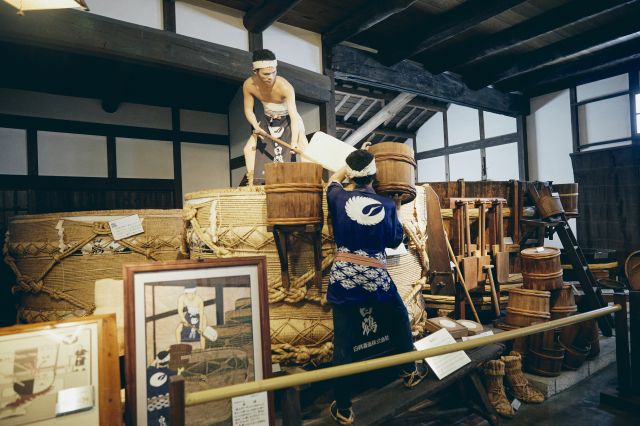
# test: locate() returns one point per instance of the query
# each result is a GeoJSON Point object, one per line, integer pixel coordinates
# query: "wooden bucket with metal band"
{"type": "Point", "coordinates": [526, 307]}
{"type": "Point", "coordinates": [545, 354]}
{"type": "Point", "coordinates": [550, 205]}
{"type": "Point", "coordinates": [568, 193]}
{"type": "Point", "coordinates": [563, 303]}
{"type": "Point", "coordinates": [541, 268]}
{"type": "Point", "coordinates": [294, 193]}
{"type": "Point", "coordinates": [547, 363]}
{"type": "Point", "coordinates": [574, 357]}
{"type": "Point", "coordinates": [395, 175]}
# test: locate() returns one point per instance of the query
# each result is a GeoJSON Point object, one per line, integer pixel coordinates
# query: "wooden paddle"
{"type": "Point", "coordinates": [469, 261]}
{"type": "Point", "coordinates": [461, 278]}
{"type": "Point", "coordinates": [440, 273]}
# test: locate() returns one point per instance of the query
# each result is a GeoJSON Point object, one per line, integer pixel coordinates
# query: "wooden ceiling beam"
{"type": "Point", "coordinates": [388, 111]}
{"type": "Point", "coordinates": [378, 131]}
{"type": "Point", "coordinates": [512, 66]}
{"type": "Point", "coordinates": [261, 17]}
{"type": "Point", "coordinates": [573, 72]}
{"type": "Point", "coordinates": [356, 67]}
{"type": "Point", "coordinates": [430, 104]}
{"type": "Point", "coordinates": [361, 20]}
{"type": "Point", "coordinates": [443, 27]}
{"type": "Point", "coordinates": [574, 12]}
{"type": "Point", "coordinates": [96, 36]}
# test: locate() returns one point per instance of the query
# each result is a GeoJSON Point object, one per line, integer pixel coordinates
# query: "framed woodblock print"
{"type": "Point", "coordinates": [60, 373]}
{"type": "Point", "coordinates": [205, 320]}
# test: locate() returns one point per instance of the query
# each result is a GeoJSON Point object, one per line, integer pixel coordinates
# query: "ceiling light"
{"type": "Point", "coordinates": [24, 5]}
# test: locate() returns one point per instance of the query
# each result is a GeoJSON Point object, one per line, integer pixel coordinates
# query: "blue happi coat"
{"type": "Point", "coordinates": [364, 223]}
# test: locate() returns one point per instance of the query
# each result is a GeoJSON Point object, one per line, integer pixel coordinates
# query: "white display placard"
{"type": "Point", "coordinates": [477, 336]}
{"type": "Point", "coordinates": [250, 410]}
{"type": "Point", "coordinates": [442, 365]}
{"type": "Point", "coordinates": [126, 227]}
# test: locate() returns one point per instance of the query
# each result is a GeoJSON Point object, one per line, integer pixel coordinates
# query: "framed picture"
{"type": "Point", "coordinates": [60, 373]}
{"type": "Point", "coordinates": [205, 320]}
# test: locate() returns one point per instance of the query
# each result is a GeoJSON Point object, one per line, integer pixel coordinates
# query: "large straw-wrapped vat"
{"type": "Point", "coordinates": [58, 258]}
{"type": "Point", "coordinates": [233, 222]}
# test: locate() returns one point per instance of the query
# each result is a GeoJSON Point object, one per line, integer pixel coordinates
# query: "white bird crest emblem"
{"type": "Point", "coordinates": [365, 211]}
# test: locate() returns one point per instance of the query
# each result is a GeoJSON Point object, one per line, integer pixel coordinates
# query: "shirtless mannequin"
{"type": "Point", "coordinates": [281, 116]}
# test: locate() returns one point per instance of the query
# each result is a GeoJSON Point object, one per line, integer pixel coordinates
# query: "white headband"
{"type": "Point", "coordinates": [189, 289]}
{"type": "Point", "coordinates": [369, 170]}
{"type": "Point", "coordinates": [264, 64]}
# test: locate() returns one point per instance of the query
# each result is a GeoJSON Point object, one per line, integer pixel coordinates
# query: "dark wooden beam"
{"type": "Point", "coordinates": [574, 12]}
{"type": "Point", "coordinates": [443, 27]}
{"type": "Point", "coordinates": [429, 104]}
{"type": "Point", "coordinates": [169, 15]}
{"type": "Point", "coordinates": [470, 146]}
{"type": "Point", "coordinates": [255, 41]}
{"type": "Point", "coordinates": [513, 66]}
{"type": "Point", "coordinates": [328, 109]}
{"type": "Point", "coordinates": [379, 131]}
{"type": "Point", "coordinates": [89, 34]}
{"type": "Point", "coordinates": [372, 13]}
{"type": "Point", "coordinates": [261, 17]}
{"type": "Point", "coordinates": [355, 66]}
{"type": "Point", "coordinates": [619, 57]}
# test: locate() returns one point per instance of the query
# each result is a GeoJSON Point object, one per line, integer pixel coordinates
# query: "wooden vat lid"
{"type": "Point", "coordinates": [540, 252]}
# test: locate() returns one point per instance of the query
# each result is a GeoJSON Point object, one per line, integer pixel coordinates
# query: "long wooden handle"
{"type": "Point", "coordinates": [283, 143]}
{"type": "Point", "coordinates": [494, 294]}
{"type": "Point", "coordinates": [464, 287]}
{"type": "Point", "coordinates": [481, 236]}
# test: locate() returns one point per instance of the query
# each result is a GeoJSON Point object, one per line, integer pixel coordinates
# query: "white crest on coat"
{"type": "Point", "coordinates": [356, 207]}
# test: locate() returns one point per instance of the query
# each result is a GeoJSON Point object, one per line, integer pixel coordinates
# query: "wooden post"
{"type": "Point", "coordinates": [634, 337]}
{"type": "Point", "coordinates": [622, 343]}
{"type": "Point", "coordinates": [176, 400]}
{"type": "Point", "coordinates": [291, 412]}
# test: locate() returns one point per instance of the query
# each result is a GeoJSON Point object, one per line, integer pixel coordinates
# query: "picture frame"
{"type": "Point", "coordinates": [60, 373]}
{"type": "Point", "coordinates": [206, 320]}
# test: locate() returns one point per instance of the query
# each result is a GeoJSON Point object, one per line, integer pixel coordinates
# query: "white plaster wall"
{"type": "Point", "coordinates": [498, 124]}
{"type": "Point", "coordinates": [203, 122]}
{"type": "Point", "coordinates": [204, 167]}
{"type": "Point", "coordinates": [602, 87]}
{"type": "Point", "coordinates": [13, 146]}
{"type": "Point", "coordinates": [463, 124]}
{"type": "Point", "coordinates": [310, 114]}
{"type": "Point", "coordinates": [431, 134]}
{"type": "Point", "coordinates": [465, 165]}
{"type": "Point", "coordinates": [604, 120]}
{"type": "Point", "coordinates": [549, 137]}
{"type": "Point", "coordinates": [239, 127]}
{"type": "Point", "coordinates": [502, 162]}
{"type": "Point", "coordinates": [294, 45]}
{"type": "Point", "coordinates": [211, 22]}
{"type": "Point", "coordinates": [432, 170]}
{"type": "Point", "coordinates": [68, 154]}
{"type": "Point", "coordinates": [38, 104]}
{"type": "Point", "coordinates": [144, 159]}
{"type": "Point", "coordinates": [141, 12]}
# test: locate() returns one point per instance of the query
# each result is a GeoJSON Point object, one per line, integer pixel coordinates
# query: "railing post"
{"type": "Point", "coordinates": [176, 400]}
{"type": "Point", "coordinates": [622, 343]}
{"type": "Point", "coordinates": [634, 337]}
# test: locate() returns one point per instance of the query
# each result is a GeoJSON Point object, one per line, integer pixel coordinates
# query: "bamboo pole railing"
{"type": "Point", "coordinates": [202, 397]}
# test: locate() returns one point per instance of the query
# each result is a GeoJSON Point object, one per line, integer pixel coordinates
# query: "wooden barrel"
{"type": "Point", "coordinates": [563, 303]}
{"type": "Point", "coordinates": [568, 193]}
{"type": "Point", "coordinates": [294, 193]}
{"type": "Point", "coordinates": [574, 357]}
{"type": "Point", "coordinates": [395, 165]}
{"type": "Point", "coordinates": [550, 205]}
{"type": "Point", "coordinates": [545, 354]}
{"type": "Point", "coordinates": [541, 268]}
{"type": "Point", "coordinates": [526, 307]}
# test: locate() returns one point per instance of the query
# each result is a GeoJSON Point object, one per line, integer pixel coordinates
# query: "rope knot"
{"type": "Point", "coordinates": [189, 213]}
{"type": "Point", "coordinates": [28, 285]}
